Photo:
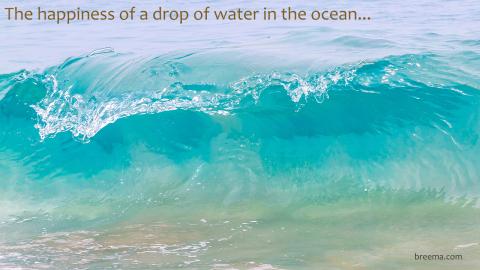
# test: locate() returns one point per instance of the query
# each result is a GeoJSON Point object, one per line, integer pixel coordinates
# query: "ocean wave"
{"type": "Point", "coordinates": [122, 132]}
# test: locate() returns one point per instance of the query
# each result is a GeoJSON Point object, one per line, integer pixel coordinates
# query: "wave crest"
{"type": "Point", "coordinates": [85, 94]}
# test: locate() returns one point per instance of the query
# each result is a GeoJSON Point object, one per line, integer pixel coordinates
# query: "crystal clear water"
{"type": "Point", "coordinates": [301, 145]}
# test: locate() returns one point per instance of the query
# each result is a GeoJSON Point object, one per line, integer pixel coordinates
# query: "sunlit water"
{"type": "Point", "coordinates": [301, 145]}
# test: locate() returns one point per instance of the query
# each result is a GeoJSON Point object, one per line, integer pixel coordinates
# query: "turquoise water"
{"type": "Point", "coordinates": [274, 146]}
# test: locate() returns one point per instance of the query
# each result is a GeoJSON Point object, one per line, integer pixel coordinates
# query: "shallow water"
{"type": "Point", "coordinates": [261, 146]}
{"type": "Point", "coordinates": [370, 233]}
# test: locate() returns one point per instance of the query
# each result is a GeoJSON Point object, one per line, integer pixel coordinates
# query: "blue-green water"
{"type": "Point", "coordinates": [253, 154]}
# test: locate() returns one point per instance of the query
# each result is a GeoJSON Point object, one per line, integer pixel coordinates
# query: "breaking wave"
{"type": "Point", "coordinates": [162, 127]}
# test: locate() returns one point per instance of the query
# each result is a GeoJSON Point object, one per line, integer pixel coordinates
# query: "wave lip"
{"type": "Point", "coordinates": [84, 114]}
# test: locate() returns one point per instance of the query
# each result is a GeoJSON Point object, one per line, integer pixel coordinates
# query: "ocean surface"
{"type": "Point", "coordinates": [242, 145]}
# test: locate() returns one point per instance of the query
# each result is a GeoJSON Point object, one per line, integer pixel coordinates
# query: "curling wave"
{"type": "Point", "coordinates": [157, 129]}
